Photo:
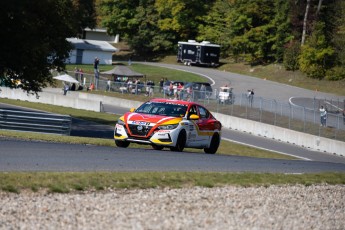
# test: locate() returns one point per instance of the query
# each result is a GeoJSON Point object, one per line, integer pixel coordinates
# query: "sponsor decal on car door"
{"type": "Point", "coordinates": [205, 125]}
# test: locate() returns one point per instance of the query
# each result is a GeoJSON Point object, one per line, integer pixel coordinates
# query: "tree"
{"type": "Point", "coordinates": [137, 22]}
{"type": "Point", "coordinates": [291, 54]}
{"type": "Point", "coordinates": [34, 42]}
{"type": "Point", "coordinates": [305, 22]}
{"type": "Point", "coordinates": [317, 55]}
{"type": "Point", "coordinates": [282, 31]}
{"type": "Point", "coordinates": [118, 16]}
{"type": "Point", "coordinates": [85, 14]}
{"type": "Point", "coordinates": [251, 31]}
{"type": "Point", "coordinates": [149, 40]}
{"type": "Point", "coordinates": [182, 17]}
{"type": "Point", "coordinates": [216, 26]}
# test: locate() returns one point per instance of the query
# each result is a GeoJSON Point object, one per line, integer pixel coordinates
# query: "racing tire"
{"type": "Point", "coordinates": [213, 145]}
{"type": "Point", "coordinates": [181, 142]}
{"type": "Point", "coordinates": [157, 147]}
{"type": "Point", "coordinates": [122, 144]}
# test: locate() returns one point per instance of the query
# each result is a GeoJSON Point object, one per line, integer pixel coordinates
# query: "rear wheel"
{"type": "Point", "coordinates": [181, 142]}
{"type": "Point", "coordinates": [213, 145]}
{"type": "Point", "coordinates": [157, 147]}
{"type": "Point", "coordinates": [122, 144]}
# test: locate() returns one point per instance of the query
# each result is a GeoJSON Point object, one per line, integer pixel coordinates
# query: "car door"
{"type": "Point", "coordinates": [193, 130]}
{"type": "Point", "coordinates": [205, 127]}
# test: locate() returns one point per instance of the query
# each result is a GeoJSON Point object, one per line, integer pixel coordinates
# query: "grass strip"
{"type": "Point", "coordinates": [85, 181]}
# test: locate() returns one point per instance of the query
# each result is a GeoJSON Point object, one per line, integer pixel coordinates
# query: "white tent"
{"type": "Point", "coordinates": [66, 78]}
{"type": "Point", "coordinates": [123, 71]}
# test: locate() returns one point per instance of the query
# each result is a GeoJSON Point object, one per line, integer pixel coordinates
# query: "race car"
{"type": "Point", "coordinates": [169, 123]}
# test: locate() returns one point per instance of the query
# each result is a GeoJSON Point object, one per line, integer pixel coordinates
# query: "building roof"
{"type": "Point", "coordinates": [100, 30]}
{"type": "Point", "coordinates": [84, 44]}
{"type": "Point", "coordinates": [123, 71]}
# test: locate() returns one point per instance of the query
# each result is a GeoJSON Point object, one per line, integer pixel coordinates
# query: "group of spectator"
{"type": "Point", "coordinates": [79, 74]}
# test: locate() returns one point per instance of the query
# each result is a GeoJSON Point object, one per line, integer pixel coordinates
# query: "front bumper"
{"type": "Point", "coordinates": [157, 137]}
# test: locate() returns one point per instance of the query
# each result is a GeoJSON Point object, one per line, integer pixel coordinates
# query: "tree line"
{"type": "Point", "coordinates": [308, 35]}
{"type": "Point", "coordinates": [33, 38]}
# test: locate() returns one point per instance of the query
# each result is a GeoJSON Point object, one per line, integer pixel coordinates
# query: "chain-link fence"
{"type": "Point", "coordinates": [300, 118]}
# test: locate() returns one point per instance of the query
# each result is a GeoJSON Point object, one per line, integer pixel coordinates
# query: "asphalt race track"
{"type": "Point", "coordinates": [42, 156]}
{"type": "Point", "coordinates": [18, 155]}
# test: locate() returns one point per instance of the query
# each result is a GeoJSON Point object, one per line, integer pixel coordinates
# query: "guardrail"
{"type": "Point", "coordinates": [35, 122]}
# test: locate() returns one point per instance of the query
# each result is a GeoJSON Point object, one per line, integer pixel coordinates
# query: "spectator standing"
{"type": "Point", "coordinates": [81, 74]}
{"type": "Point", "coordinates": [180, 91]}
{"type": "Point", "coordinates": [251, 97]}
{"type": "Point", "coordinates": [344, 116]}
{"type": "Point", "coordinates": [95, 67]}
{"type": "Point", "coordinates": [171, 89]}
{"type": "Point", "coordinates": [151, 89]}
{"type": "Point", "coordinates": [176, 96]}
{"type": "Point", "coordinates": [323, 116]}
{"type": "Point", "coordinates": [108, 85]}
{"type": "Point", "coordinates": [189, 91]}
{"type": "Point", "coordinates": [65, 88]}
{"type": "Point", "coordinates": [202, 91]}
{"type": "Point", "coordinates": [76, 73]}
{"type": "Point", "coordinates": [161, 83]}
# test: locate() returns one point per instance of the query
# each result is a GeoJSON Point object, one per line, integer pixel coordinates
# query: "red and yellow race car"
{"type": "Point", "coordinates": [169, 123]}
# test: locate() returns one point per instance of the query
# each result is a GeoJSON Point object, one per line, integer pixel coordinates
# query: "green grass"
{"type": "Point", "coordinates": [66, 182]}
{"type": "Point", "coordinates": [277, 73]}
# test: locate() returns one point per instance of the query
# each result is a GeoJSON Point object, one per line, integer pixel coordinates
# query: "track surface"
{"type": "Point", "coordinates": [38, 156]}
{"type": "Point", "coordinates": [41, 156]}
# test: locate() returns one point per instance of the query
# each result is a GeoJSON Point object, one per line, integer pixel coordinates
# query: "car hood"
{"type": "Point", "coordinates": [149, 119]}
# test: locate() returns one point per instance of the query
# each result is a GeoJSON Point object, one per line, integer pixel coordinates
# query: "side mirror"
{"type": "Point", "coordinates": [132, 110]}
{"type": "Point", "coordinates": [194, 117]}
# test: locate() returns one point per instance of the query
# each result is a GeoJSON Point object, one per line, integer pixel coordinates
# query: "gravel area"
{"type": "Point", "coordinates": [274, 207]}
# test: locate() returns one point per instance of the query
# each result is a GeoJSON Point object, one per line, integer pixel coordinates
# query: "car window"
{"type": "Point", "coordinates": [203, 112]}
{"type": "Point", "coordinates": [192, 110]}
{"type": "Point", "coordinates": [145, 108]}
{"type": "Point", "coordinates": [164, 109]}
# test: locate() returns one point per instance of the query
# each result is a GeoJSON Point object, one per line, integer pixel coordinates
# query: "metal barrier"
{"type": "Point", "coordinates": [269, 111]}
{"type": "Point", "coordinates": [35, 122]}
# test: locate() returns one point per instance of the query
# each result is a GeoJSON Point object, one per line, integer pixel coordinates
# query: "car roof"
{"type": "Point", "coordinates": [172, 101]}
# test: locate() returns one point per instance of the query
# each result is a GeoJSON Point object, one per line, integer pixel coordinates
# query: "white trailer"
{"type": "Point", "coordinates": [198, 53]}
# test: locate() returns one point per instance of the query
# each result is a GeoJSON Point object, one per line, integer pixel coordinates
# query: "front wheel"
{"type": "Point", "coordinates": [213, 145]}
{"type": "Point", "coordinates": [122, 144]}
{"type": "Point", "coordinates": [181, 142]}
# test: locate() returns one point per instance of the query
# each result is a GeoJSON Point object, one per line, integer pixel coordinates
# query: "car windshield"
{"type": "Point", "coordinates": [163, 109]}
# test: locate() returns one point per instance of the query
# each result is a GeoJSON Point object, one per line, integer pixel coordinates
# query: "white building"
{"type": "Point", "coordinates": [85, 51]}
{"type": "Point", "coordinates": [99, 34]}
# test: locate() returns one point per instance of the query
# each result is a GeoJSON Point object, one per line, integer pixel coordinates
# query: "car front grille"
{"type": "Point", "coordinates": [139, 131]}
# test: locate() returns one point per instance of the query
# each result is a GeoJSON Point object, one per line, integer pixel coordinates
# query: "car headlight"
{"type": "Point", "coordinates": [168, 127]}
{"type": "Point", "coordinates": [120, 122]}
